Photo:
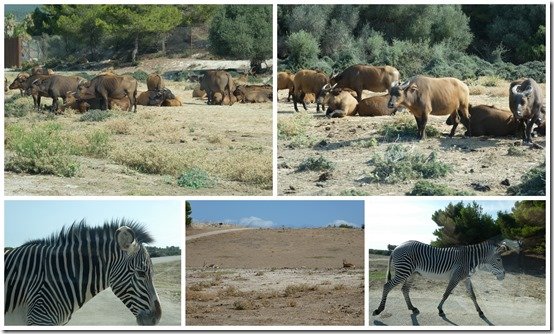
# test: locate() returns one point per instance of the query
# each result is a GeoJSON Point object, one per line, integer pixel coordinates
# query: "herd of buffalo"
{"type": "Point", "coordinates": [421, 95]}
{"type": "Point", "coordinates": [108, 90]}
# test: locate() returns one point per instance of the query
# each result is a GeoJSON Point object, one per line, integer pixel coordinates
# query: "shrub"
{"type": "Point", "coordinates": [533, 183]}
{"type": "Point", "coordinates": [315, 164]}
{"type": "Point", "coordinates": [98, 144]}
{"type": "Point", "coordinates": [353, 192]}
{"type": "Point", "coordinates": [399, 164]}
{"type": "Point", "coordinates": [195, 178]}
{"type": "Point", "coordinates": [95, 116]}
{"type": "Point", "coordinates": [148, 159]}
{"type": "Point", "coordinates": [404, 127]}
{"type": "Point", "coordinates": [426, 188]}
{"type": "Point", "coordinates": [42, 149]}
{"type": "Point", "coordinates": [303, 49]}
{"type": "Point", "coordinates": [17, 106]}
{"type": "Point", "coordinates": [139, 75]}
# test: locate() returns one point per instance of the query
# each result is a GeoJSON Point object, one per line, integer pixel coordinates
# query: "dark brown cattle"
{"type": "Point", "coordinates": [108, 86]}
{"type": "Point", "coordinates": [160, 96]}
{"type": "Point", "coordinates": [18, 82]}
{"type": "Point", "coordinates": [375, 106]}
{"type": "Point", "coordinates": [285, 80]}
{"type": "Point", "coordinates": [372, 78]}
{"type": "Point", "coordinates": [488, 121]}
{"type": "Point", "coordinates": [155, 82]}
{"type": "Point", "coordinates": [526, 104]}
{"type": "Point", "coordinates": [40, 70]}
{"type": "Point", "coordinates": [217, 82]}
{"type": "Point", "coordinates": [56, 86]}
{"type": "Point", "coordinates": [26, 84]}
{"type": "Point", "coordinates": [309, 81]}
{"type": "Point", "coordinates": [143, 99]}
{"type": "Point", "coordinates": [424, 96]}
{"type": "Point", "coordinates": [254, 94]}
{"type": "Point", "coordinates": [94, 103]}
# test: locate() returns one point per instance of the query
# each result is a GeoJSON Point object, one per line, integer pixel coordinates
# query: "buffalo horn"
{"type": "Point", "coordinates": [528, 91]}
{"type": "Point", "coordinates": [515, 88]}
{"type": "Point", "coordinates": [325, 87]}
{"type": "Point", "coordinates": [404, 84]}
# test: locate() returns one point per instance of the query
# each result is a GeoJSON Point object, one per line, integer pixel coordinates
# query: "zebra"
{"type": "Point", "coordinates": [453, 263]}
{"type": "Point", "coordinates": [47, 280]}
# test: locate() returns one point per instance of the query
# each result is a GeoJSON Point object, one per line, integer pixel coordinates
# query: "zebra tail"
{"type": "Point", "coordinates": [388, 270]}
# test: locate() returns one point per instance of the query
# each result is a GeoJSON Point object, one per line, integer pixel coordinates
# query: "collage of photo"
{"type": "Point", "coordinates": [318, 167]}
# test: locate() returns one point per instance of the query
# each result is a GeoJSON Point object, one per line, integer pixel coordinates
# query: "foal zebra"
{"type": "Point", "coordinates": [46, 280]}
{"type": "Point", "coordinates": [455, 264]}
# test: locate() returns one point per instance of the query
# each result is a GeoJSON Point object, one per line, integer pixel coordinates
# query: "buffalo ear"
{"type": "Point", "coordinates": [126, 239]}
{"type": "Point", "coordinates": [413, 88]}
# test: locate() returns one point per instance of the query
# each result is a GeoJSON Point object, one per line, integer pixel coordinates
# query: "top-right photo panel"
{"type": "Point", "coordinates": [420, 100]}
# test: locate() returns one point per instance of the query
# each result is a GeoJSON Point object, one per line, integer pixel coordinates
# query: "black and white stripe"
{"type": "Point", "coordinates": [49, 279]}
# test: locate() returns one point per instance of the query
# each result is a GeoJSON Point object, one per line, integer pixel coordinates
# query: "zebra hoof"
{"type": "Point", "coordinates": [376, 312]}
{"type": "Point", "coordinates": [441, 313]}
{"type": "Point", "coordinates": [415, 310]}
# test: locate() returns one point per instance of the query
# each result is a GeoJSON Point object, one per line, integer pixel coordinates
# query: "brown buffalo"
{"type": "Point", "coordinates": [375, 106]}
{"type": "Point", "coordinates": [155, 82]}
{"type": "Point", "coordinates": [217, 82]}
{"type": "Point", "coordinates": [526, 104]}
{"type": "Point", "coordinates": [198, 92]}
{"type": "Point", "coordinates": [254, 94]}
{"type": "Point", "coordinates": [285, 80]}
{"type": "Point", "coordinates": [372, 78]}
{"type": "Point", "coordinates": [18, 82]}
{"type": "Point", "coordinates": [161, 96]}
{"type": "Point", "coordinates": [26, 85]}
{"type": "Point", "coordinates": [94, 103]}
{"type": "Point", "coordinates": [108, 86]}
{"type": "Point", "coordinates": [309, 98]}
{"type": "Point", "coordinates": [309, 81]}
{"type": "Point", "coordinates": [424, 96]}
{"type": "Point", "coordinates": [56, 86]}
{"type": "Point", "coordinates": [40, 70]}
{"type": "Point", "coordinates": [488, 121]}
{"type": "Point", "coordinates": [172, 103]}
{"type": "Point", "coordinates": [224, 99]}
{"type": "Point", "coordinates": [143, 99]}
{"type": "Point", "coordinates": [341, 103]}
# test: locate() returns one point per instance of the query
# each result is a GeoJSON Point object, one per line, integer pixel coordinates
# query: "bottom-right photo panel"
{"type": "Point", "coordinates": [439, 262]}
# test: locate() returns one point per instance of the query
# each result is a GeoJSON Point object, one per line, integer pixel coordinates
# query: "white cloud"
{"type": "Point", "coordinates": [255, 222]}
{"type": "Point", "coordinates": [339, 222]}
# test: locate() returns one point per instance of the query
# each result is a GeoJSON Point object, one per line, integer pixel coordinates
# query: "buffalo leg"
{"type": "Point", "coordinates": [295, 101]}
{"type": "Point", "coordinates": [105, 104]}
{"type": "Point", "coordinates": [421, 122]}
{"type": "Point", "coordinates": [466, 119]}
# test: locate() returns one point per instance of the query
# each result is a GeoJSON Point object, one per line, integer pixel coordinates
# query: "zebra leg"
{"type": "Point", "coordinates": [451, 285]}
{"type": "Point", "coordinates": [469, 288]}
{"type": "Point", "coordinates": [406, 291]}
{"type": "Point", "coordinates": [386, 289]}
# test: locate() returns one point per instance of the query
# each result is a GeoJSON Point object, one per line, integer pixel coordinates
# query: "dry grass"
{"type": "Point", "coordinates": [292, 290]}
{"type": "Point", "coordinates": [167, 278]}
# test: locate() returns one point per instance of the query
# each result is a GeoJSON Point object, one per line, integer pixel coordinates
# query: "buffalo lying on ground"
{"type": "Point", "coordinates": [108, 86]}
{"type": "Point", "coordinates": [375, 106]}
{"type": "Point", "coordinates": [56, 86]}
{"type": "Point", "coordinates": [373, 78]}
{"type": "Point", "coordinates": [157, 98]}
{"type": "Point", "coordinates": [526, 104]}
{"type": "Point", "coordinates": [217, 82]}
{"type": "Point", "coordinates": [340, 103]}
{"type": "Point", "coordinates": [198, 92]}
{"type": "Point", "coordinates": [285, 80]}
{"type": "Point", "coordinates": [93, 103]}
{"type": "Point", "coordinates": [424, 96]}
{"type": "Point", "coordinates": [254, 94]}
{"type": "Point", "coordinates": [488, 121]}
{"type": "Point", "coordinates": [309, 81]}
{"type": "Point", "coordinates": [224, 100]}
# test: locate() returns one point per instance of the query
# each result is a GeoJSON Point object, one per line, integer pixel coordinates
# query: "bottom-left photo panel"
{"type": "Point", "coordinates": [92, 262]}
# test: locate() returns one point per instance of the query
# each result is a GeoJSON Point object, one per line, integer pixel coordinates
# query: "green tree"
{"type": "Point", "coordinates": [14, 28]}
{"type": "Point", "coordinates": [188, 213]}
{"type": "Point", "coordinates": [461, 224]}
{"type": "Point", "coordinates": [242, 32]}
{"type": "Point", "coordinates": [526, 222]}
{"type": "Point", "coordinates": [303, 50]}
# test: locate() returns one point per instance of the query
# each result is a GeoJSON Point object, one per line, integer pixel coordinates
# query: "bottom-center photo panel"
{"type": "Point", "coordinates": [274, 263]}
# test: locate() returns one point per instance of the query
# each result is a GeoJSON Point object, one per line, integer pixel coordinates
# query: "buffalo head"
{"type": "Point", "coordinates": [399, 92]}
{"type": "Point", "coordinates": [521, 100]}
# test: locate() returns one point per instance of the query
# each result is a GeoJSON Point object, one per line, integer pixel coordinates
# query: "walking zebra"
{"type": "Point", "coordinates": [454, 264]}
{"type": "Point", "coordinates": [46, 280]}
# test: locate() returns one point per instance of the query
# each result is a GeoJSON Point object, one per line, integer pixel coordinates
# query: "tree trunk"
{"type": "Point", "coordinates": [164, 39]}
{"type": "Point", "coordinates": [135, 50]}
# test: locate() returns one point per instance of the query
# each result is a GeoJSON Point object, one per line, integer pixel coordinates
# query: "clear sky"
{"type": "Point", "coordinates": [28, 220]}
{"type": "Point", "coordinates": [395, 220]}
{"type": "Point", "coordinates": [279, 213]}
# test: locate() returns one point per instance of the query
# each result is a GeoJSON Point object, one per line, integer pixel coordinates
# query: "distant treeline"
{"type": "Point", "coordinates": [166, 251]}
{"type": "Point", "coordinates": [463, 41]}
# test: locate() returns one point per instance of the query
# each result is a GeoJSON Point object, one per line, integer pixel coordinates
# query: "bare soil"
{"type": "Point", "coordinates": [476, 161]}
{"type": "Point", "coordinates": [276, 277]}
{"type": "Point", "coordinates": [518, 300]}
{"type": "Point", "coordinates": [232, 144]}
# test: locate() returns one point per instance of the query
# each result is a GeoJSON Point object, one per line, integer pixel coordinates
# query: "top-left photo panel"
{"type": "Point", "coordinates": [138, 100]}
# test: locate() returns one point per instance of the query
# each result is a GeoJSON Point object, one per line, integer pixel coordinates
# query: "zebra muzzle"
{"type": "Point", "coordinates": [150, 317]}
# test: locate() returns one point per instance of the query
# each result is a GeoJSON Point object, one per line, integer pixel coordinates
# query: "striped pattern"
{"type": "Point", "coordinates": [52, 278]}
{"type": "Point", "coordinates": [453, 264]}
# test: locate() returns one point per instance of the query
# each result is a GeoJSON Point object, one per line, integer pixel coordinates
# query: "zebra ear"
{"type": "Point", "coordinates": [125, 238]}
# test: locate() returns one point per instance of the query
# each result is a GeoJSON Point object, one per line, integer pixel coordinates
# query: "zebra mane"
{"type": "Point", "coordinates": [75, 230]}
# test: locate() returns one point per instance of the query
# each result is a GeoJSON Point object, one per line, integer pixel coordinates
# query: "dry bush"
{"type": "Point", "coordinates": [119, 126]}
{"type": "Point", "coordinates": [245, 305]}
{"type": "Point", "coordinates": [291, 290]}
{"type": "Point", "coordinates": [477, 90]}
{"type": "Point", "coordinates": [200, 296]}
{"type": "Point", "coordinates": [232, 291]}
{"type": "Point", "coordinates": [151, 159]}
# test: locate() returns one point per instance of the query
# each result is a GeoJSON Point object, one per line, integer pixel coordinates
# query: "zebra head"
{"type": "Point", "coordinates": [131, 278]}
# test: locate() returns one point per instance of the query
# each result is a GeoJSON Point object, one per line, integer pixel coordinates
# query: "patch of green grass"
{"type": "Point", "coordinates": [399, 164]}
{"type": "Point", "coordinates": [41, 149]}
{"type": "Point", "coordinates": [533, 183]}
{"type": "Point", "coordinates": [294, 129]}
{"type": "Point", "coordinates": [17, 106]}
{"type": "Point", "coordinates": [365, 143]}
{"type": "Point", "coordinates": [95, 116]}
{"type": "Point", "coordinates": [315, 164]}
{"type": "Point", "coordinates": [491, 81]}
{"type": "Point", "coordinates": [427, 188]}
{"type": "Point", "coordinates": [139, 75]}
{"type": "Point", "coordinates": [195, 179]}
{"type": "Point", "coordinates": [98, 144]}
{"type": "Point", "coordinates": [353, 192]}
{"type": "Point", "coordinates": [377, 275]}
{"type": "Point", "coordinates": [404, 127]}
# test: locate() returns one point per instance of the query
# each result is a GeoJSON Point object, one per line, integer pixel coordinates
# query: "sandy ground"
{"type": "Point", "coordinates": [212, 138]}
{"type": "Point", "coordinates": [275, 277]}
{"type": "Point", "coordinates": [106, 309]}
{"type": "Point", "coordinates": [518, 300]}
{"type": "Point", "coordinates": [344, 142]}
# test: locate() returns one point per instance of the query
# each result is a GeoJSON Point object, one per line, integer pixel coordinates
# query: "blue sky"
{"type": "Point", "coordinates": [278, 213]}
{"type": "Point", "coordinates": [393, 220]}
{"type": "Point", "coordinates": [27, 220]}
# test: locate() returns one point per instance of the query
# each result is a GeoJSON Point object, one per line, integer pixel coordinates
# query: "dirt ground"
{"type": "Point", "coordinates": [232, 144]}
{"type": "Point", "coordinates": [275, 277]}
{"type": "Point", "coordinates": [347, 144]}
{"type": "Point", "coordinates": [518, 300]}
